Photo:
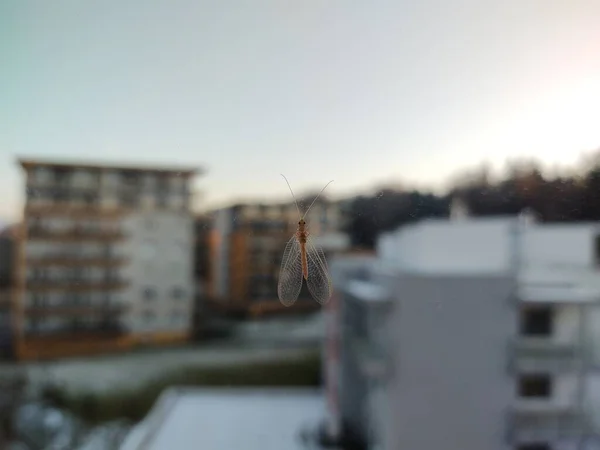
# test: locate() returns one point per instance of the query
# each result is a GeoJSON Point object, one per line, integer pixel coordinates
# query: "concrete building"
{"type": "Point", "coordinates": [491, 340]}
{"type": "Point", "coordinates": [218, 419]}
{"type": "Point", "coordinates": [246, 247]}
{"type": "Point", "coordinates": [104, 258]}
{"type": "Point", "coordinates": [7, 253]}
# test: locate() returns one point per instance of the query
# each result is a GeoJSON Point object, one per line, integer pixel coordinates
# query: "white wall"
{"type": "Point", "coordinates": [160, 247]}
{"type": "Point", "coordinates": [566, 323]}
{"type": "Point", "coordinates": [223, 224]}
{"type": "Point", "coordinates": [442, 246]}
{"type": "Point", "coordinates": [546, 252]}
{"type": "Point", "coordinates": [559, 244]}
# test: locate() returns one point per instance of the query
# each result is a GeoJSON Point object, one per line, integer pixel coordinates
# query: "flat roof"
{"type": "Point", "coordinates": [102, 165]}
{"type": "Point", "coordinates": [368, 291]}
{"type": "Point", "coordinates": [228, 418]}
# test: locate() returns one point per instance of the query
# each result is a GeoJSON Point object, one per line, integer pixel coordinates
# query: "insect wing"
{"type": "Point", "coordinates": [290, 274]}
{"type": "Point", "coordinates": [318, 281]}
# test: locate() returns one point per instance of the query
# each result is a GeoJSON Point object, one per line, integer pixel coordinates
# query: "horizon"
{"type": "Point", "coordinates": [497, 173]}
{"type": "Point", "coordinates": [366, 94]}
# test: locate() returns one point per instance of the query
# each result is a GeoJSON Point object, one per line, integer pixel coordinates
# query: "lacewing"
{"type": "Point", "coordinates": [302, 259]}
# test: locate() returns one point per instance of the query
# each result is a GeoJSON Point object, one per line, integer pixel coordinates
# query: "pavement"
{"type": "Point", "coordinates": [255, 341]}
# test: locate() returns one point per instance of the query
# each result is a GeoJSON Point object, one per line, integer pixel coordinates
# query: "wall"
{"type": "Point", "coordinates": [450, 383]}
{"type": "Point", "coordinates": [484, 245]}
{"type": "Point", "coordinates": [160, 247]}
{"type": "Point", "coordinates": [442, 246]}
{"type": "Point", "coordinates": [220, 264]}
{"type": "Point", "coordinates": [560, 244]}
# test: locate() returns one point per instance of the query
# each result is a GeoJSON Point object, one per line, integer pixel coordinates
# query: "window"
{"type": "Point", "coordinates": [161, 200]}
{"type": "Point", "coordinates": [38, 300]}
{"type": "Point", "coordinates": [535, 446]}
{"type": "Point", "coordinates": [535, 386]}
{"type": "Point", "coordinates": [178, 293]}
{"type": "Point", "coordinates": [149, 293]}
{"type": "Point", "coordinates": [177, 317]}
{"type": "Point", "coordinates": [148, 316]}
{"type": "Point", "coordinates": [537, 321]}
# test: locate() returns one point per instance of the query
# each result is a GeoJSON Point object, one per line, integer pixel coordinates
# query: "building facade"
{"type": "Point", "coordinates": [491, 340]}
{"type": "Point", "coordinates": [7, 253]}
{"type": "Point", "coordinates": [104, 259]}
{"type": "Point", "coordinates": [246, 247]}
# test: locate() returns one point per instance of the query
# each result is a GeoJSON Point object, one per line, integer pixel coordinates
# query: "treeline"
{"type": "Point", "coordinates": [568, 197]}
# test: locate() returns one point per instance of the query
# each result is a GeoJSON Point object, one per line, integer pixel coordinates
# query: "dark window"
{"type": "Point", "coordinates": [161, 199]}
{"type": "Point", "coordinates": [38, 300]}
{"type": "Point", "coordinates": [535, 386]}
{"type": "Point", "coordinates": [535, 446]}
{"type": "Point", "coordinates": [90, 199]}
{"type": "Point", "coordinates": [149, 293]}
{"type": "Point", "coordinates": [537, 321]}
{"type": "Point", "coordinates": [178, 293]}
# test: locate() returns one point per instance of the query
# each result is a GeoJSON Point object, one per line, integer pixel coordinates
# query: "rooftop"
{"type": "Point", "coordinates": [218, 419]}
{"type": "Point", "coordinates": [27, 163]}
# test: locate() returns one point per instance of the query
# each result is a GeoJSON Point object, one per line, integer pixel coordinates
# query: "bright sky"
{"type": "Point", "coordinates": [362, 92]}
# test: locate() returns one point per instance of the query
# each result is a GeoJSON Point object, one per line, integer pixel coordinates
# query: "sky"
{"type": "Point", "coordinates": [363, 93]}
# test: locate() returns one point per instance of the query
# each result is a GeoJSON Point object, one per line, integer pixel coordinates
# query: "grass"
{"type": "Point", "coordinates": [134, 403]}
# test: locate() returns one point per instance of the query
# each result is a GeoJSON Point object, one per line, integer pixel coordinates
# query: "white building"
{"type": "Point", "coordinates": [493, 340]}
{"type": "Point", "coordinates": [106, 258]}
{"type": "Point", "coordinates": [219, 419]}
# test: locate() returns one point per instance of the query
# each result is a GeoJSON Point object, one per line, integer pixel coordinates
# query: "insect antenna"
{"type": "Point", "coordinates": [293, 196]}
{"type": "Point", "coordinates": [313, 202]}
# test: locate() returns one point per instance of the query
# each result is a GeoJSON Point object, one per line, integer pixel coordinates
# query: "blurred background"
{"type": "Point", "coordinates": [143, 221]}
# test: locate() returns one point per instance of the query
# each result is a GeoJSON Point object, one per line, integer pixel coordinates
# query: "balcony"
{"type": "Point", "coordinates": [5, 298]}
{"type": "Point", "coordinates": [75, 234]}
{"type": "Point", "coordinates": [75, 310]}
{"type": "Point", "coordinates": [70, 333]}
{"type": "Point", "coordinates": [546, 424]}
{"type": "Point", "coordinates": [534, 354]}
{"type": "Point", "coordinates": [558, 283]}
{"type": "Point", "coordinates": [76, 285]}
{"type": "Point", "coordinates": [66, 259]}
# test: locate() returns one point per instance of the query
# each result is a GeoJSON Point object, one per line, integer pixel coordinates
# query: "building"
{"type": "Point", "coordinates": [246, 247]}
{"type": "Point", "coordinates": [217, 419]}
{"type": "Point", "coordinates": [202, 227]}
{"type": "Point", "coordinates": [490, 340]}
{"type": "Point", "coordinates": [7, 253]}
{"type": "Point", "coordinates": [104, 258]}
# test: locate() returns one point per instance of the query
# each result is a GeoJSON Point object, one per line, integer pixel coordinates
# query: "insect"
{"type": "Point", "coordinates": [303, 259]}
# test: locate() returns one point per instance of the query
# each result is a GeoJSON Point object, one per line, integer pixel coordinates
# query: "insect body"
{"type": "Point", "coordinates": [303, 259]}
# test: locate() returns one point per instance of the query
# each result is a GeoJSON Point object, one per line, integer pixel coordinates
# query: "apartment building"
{"type": "Point", "coordinates": [246, 247]}
{"type": "Point", "coordinates": [104, 259]}
{"type": "Point", "coordinates": [7, 246]}
{"type": "Point", "coordinates": [490, 339]}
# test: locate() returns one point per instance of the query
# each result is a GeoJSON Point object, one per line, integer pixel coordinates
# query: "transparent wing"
{"type": "Point", "coordinates": [318, 281]}
{"type": "Point", "coordinates": [290, 274]}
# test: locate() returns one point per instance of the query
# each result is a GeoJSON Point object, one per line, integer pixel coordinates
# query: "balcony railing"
{"type": "Point", "coordinates": [76, 284]}
{"type": "Point", "coordinates": [66, 259]}
{"type": "Point", "coordinates": [551, 424]}
{"type": "Point", "coordinates": [75, 310]}
{"type": "Point", "coordinates": [532, 354]}
{"type": "Point", "coordinates": [75, 234]}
